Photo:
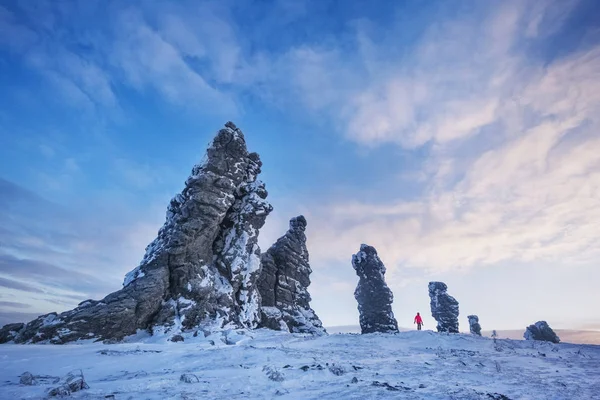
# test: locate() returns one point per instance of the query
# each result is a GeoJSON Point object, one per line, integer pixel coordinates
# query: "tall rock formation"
{"type": "Point", "coordinates": [283, 283]}
{"type": "Point", "coordinates": [200, 271]}
{"type": "Point", "coordinates": [444, 308]}
{"type": "Point", "coordinates": [541, 331]}
{"type": "Point", "coordinates": [474, 326]}
{"type": "Point", "coordinates": [372, 294]}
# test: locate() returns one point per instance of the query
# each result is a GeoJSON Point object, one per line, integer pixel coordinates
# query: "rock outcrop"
{"type": "Point", "coordinates": [372, 294]}
{"type": "Point", "coordinates": [200, 271]}
{"type": "Point", "coordinates": [71, 383]}
{"type": "Point", "coordinates": [444, 308]}
{"type": "Point", "coordinates": [283, 284]}
{"type": "Point", "coordinates": [474, 326]}
{"type": "Point", "coordinates": [541, 331]}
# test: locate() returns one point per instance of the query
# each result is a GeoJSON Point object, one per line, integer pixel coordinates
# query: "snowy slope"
{"type": "Point", "coordinates": [266, 364]}
{"type": "Point", "coordinates": [566, 335]}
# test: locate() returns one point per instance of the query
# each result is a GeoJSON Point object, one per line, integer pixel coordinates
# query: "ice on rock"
{"type": "Point", "coordinates": [444, 308]}
{"type": "Point", "coordinates": [373, 295]}
{"type": "Point", "coordinates": [206, 253]}
{"type": "Point", "coordinates": [474, 326]}
{"type": "Point", "coordinates": [284, 281]}
{"type": "Point", "coordinates": [541, 331]}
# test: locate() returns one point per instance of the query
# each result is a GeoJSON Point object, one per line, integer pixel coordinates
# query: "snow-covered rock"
{"type": "Point", "coordinates": [70, 383]}
{"type": "Point", "coordinates": [422, 365]}
{"type": "Point", "coordinates": [444, 308]}
{"type": "Point", "coordinates": [541, 331]}
{"type": "Point", "coordinates": [28, 379]}
{"type": "Point", "coordinates": [200, 270]}
{"type": "Point", "coordinates": [474, 326]}
{"type": "Point", "coordinates": [372, 294]}
{"type": "Point", "coordinates": [189, 378]}
{"type": "Point", "coordinates": [284, 281]}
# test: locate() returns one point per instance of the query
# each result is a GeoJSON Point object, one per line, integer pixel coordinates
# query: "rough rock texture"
{"type": "Point", "coordinates": [283, 284]}
{"type": "Point", "coordinates": [373, 295]}
{"type": "Point", "coordinates": [28, 379]}
{"type": "Point", "coordinates": [444, 308]}
{"type": "Point", "coordinates": [71, 383]}
{"type": "Point", "coordinates": [474, 326]}
{"type": "Point", "coordinates": [541, 331]}
{"type": "Point", "coordinates": [201, 270]}
{"type": "Point", "coordinates": [189, 378]}
{"type": "Point", "coordinates": [9, 331]}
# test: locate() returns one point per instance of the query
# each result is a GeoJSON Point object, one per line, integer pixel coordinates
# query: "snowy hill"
{"type": "Point", "coordinates": [566, 335]}
{"type": "Point", "coordinates": [267, 364]}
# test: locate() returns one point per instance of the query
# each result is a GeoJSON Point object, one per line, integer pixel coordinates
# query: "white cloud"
{"type": "Point", "coordinates": [534, 197]}
{"type": "Point", "coordinates": [530, 192]}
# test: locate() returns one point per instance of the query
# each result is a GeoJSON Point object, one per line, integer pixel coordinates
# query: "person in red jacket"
{"type": "Point", "coordinates": [418, 321]}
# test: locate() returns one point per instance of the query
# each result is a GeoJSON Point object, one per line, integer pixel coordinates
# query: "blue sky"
{"type": "Point", "coordinates": [460, 138]}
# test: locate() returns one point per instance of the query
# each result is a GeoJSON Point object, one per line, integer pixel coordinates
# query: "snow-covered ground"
{"type": "Point", "coordinates": [266, 364]}
{"type": "Point", "coordinates": [566, 335]}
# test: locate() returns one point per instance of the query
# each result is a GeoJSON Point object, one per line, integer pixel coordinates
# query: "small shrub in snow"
{"type": "Point", "coordinates": [273, 373]}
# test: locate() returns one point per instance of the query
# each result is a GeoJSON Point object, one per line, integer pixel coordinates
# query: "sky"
{"type": "Point", "coordinates": [460, 138]}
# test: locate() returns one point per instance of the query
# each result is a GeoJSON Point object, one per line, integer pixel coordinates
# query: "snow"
{"type": "Point", "coordinates": [239, 364]}
{"type": "Point", "coordinates": [133, 275]}
{"type": "Point", "coordinates": [50, 320]}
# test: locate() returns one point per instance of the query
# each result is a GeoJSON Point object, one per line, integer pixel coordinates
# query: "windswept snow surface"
{"type": "Point", "coordinates": [266, 364]}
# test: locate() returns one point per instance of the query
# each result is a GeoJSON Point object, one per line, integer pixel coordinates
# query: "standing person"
{"type": "Point", "coordinates": [418, 321]}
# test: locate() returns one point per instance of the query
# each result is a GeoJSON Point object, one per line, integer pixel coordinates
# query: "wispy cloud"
{"type": "Point", "coordinates": [61, 255]}
{"type": "Point", "coordinates": [504, 135]}
{"type": "Point", "coordinates": [13, 304]}
{"type": "Point", "coordinates": [513, 173]}
{"type": "Point", "coordinates": [148, 60]}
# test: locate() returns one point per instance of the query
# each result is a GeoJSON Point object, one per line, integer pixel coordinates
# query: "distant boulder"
{"type": "Point", "coordinates": [541, 331]}
{"type": "Point", "coordinates": [373, 295]}
{"type": "Point", "coordinates": [444, 308]}
{"type": "Point", "coordinates": [474, 326]}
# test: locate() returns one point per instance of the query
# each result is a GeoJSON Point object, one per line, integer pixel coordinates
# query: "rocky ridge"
{"type": "Point", "coordinates": [201, 271]}
{"type": "Point", "coordinates": [444, 308]}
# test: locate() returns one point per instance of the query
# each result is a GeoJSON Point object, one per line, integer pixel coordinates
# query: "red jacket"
{"type": "Point", "coordinates": [418, 320]}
